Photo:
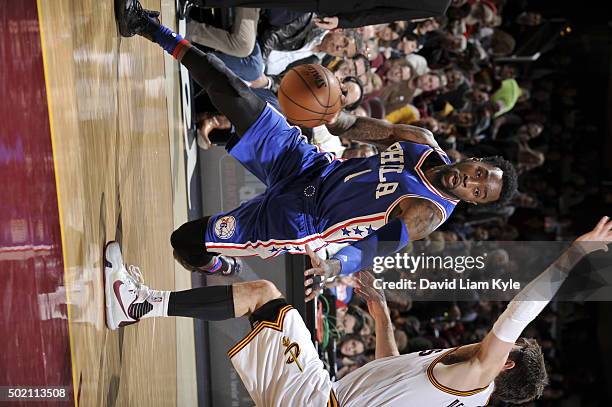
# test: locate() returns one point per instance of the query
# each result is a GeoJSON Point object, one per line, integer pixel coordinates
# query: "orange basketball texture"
{"type": "Point", "coordinates": [309, 95]}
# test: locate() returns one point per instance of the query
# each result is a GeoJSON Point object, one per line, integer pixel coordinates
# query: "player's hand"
{"type": "Point", "coordinates": [415, 134]}
{"type": "Point", "coordinates": [327, 23]}
{"type": "Point", "coordinates": [335, 117]}
{"type": "Point", "coordinates": [374, 297]}
{"type": "Point", "coordinates": [315, 277]}
{"type": "Point", "coordinates": [597, 239]}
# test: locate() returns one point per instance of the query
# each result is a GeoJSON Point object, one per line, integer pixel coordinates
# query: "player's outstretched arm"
{"type": "Point", "coordinates": [377, 307]}
{"type": "Point", "coordinates": [527, 305]}
{"type": "Point", "coordinates": [378, 131]}
{"type": "Point", "coordinates": [413, 219]}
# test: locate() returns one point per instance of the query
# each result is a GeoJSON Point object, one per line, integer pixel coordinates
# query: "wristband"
{"type": "Point", "coordinates": [385, 241]}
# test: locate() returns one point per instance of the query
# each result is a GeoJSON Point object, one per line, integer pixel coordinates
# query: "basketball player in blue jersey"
{"type": "Point", "coordinates": [375, 205]}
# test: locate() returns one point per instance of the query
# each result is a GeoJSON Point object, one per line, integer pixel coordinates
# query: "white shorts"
{"type": "Point", "coordinates": [279, 364]}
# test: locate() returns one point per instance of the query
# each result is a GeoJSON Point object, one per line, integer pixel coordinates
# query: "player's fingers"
{"type": "Point", "coordinates": [367, 277]}
{"type": "Point", "coordinates": [311, 293]}
{"type": "Point", "coordinates": [314, 259]}
{"type": "Point", "coordinates": [308, 293]}
{"type": "Point", "coordinates": [361, 293]}
{"type": "Point", "coordinates": [601, 223]}
{"type": "Point", "coordinates": [315, 271]}
{"type": "Point", "coordinates": [607, 226]}
{"type": "Point", "coordinates": [308, 282]}
{"type": "Point", "coordinates": [357, 278]}
{"type": "Point", "coordinates": [365, 295]}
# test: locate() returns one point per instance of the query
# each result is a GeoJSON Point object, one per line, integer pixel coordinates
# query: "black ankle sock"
{"type": "Point", "coordinates": [214, 303]}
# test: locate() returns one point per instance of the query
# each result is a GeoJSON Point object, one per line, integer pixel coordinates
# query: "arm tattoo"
{"type": "Point", "coordinates": [420, 217]}
{"type": "Point", "coordinates": [363, 129]}
{"type": "Point", "coordinates": [342, 124]}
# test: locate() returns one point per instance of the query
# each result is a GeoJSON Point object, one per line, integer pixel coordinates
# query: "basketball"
{"type": "Point", "coordinates": [310, 95]}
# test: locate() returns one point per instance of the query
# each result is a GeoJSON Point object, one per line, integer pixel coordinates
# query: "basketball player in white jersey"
{"type": "Point", "coordinates": [279, 366]}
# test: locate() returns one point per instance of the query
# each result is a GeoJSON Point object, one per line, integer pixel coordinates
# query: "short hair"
{"type": "Point", "coordinates": [358, 315]}
{"type": "Point", "coordinates": [502, 43]}
{"type": "Point", "coordinates": [509, 179]}
{"type": "Point", "coordinates": [463, 79]}
{"type": "Point", "coordinates": [408, 36]}
{"type": "Point", "coordinates": [356, 104]}
{"type": "Point", "coordinates": [348, 337]}
{"type": "Point", "coordinates": [359, 43]}
{"type": "Point", "coordinates": [527, 379]}
{"type": "Point", "coordinates": [441, 77]}
{"type": "Point", "coordinates": [366, 61]}
{"type": "Point", "coordinates": [442, 21]}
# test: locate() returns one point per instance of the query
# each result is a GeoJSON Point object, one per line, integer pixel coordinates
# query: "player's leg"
{"type": "Point", "coordinates": [128, 300]}
{"type": "Point", "coordinates": [188, 242]}
{"type": "Point", "coordinates": [267, 146]}
{"type": "Point", "coordinates": [279, 367]}
{"type": "Point", "coordinates": [230, 95]}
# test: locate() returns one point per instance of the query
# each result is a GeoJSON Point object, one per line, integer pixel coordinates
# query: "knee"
{"type": "Point", "coordinates": [189, 234]}
{"type": "Point", "coordinates": [175, 239]}
{"type": "Point", "coordinates": [264, 291]}
{"type": "Point", "coordinates": [241, 47]}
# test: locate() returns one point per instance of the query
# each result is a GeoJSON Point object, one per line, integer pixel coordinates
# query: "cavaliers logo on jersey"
{"type": "Point", "coordinates": [293, 350]}
{"type": "Point", "coordinates": [225, 227]}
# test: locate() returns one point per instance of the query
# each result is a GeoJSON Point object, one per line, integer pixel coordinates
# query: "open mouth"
{"type": "Point", "coordinates": [451, 180]}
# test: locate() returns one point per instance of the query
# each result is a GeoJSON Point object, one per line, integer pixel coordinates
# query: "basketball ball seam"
{"type": "Point", "coordinates": [298, 121]}
{"type": "Point", "coordinates": [297, 104]}
{"type": "Point", "coordinates": [312, 91]}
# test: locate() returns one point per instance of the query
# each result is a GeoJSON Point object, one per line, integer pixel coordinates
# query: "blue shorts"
{"type": "Point", "coordinates": [281, 219]}
{"type": "Point", "coordinates": [248, 68]}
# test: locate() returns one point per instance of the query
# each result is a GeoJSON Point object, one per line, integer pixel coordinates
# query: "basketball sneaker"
{"type": "Point", "coordinates": [127, 298]}
{"type": "Point", "coordinates": [132, 19]}
{"type": "Point", "coordinates": [224, 265]}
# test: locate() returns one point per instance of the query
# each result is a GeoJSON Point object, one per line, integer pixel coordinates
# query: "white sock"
{"type": "Point", "coordinates": [159, 301]}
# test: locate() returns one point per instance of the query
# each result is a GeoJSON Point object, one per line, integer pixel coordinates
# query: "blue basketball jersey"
{"type": "Point", "coordinates": [357, 196]}
{"type": "Point", "coordinates": [312, 199]}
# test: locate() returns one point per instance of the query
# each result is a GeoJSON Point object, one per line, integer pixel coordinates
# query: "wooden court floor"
{"type": "Point", "coordinates": [117, 142]}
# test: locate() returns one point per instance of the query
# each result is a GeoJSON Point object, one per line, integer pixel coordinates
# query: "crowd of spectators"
{"type": "Point", "coordinates": [450, 74]}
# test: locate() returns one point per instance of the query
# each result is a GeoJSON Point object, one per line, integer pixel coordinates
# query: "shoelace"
{"type": "Point", "coordinates": [146, 13]}
{"type": "Point", "coordinates": [135, 273]}
{"type": "Point", "coordinates": [137, 280]}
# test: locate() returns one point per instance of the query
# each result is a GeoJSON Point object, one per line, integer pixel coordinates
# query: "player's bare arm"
{"type": "Point", "coordinates": [377, 307]}
{"type": "Point", "coordinates": [420, 216]}
{"type": "Point", "coordinates": [378, 131]}
{"type": "Point", "coordinates": [483, 362]}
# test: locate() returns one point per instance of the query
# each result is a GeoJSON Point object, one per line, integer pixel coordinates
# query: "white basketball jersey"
{"type": "Point", "coordinates": [280, 366]}
{"type": "Point", "coordinates": [406, 380]}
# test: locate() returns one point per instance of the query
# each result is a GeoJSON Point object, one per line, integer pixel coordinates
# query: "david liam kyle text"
{"type": "Point", "coordinates": [496, 284]}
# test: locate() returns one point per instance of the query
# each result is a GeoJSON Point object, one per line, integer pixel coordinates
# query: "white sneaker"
{"type": "Point", "coordinates": [125, 292]}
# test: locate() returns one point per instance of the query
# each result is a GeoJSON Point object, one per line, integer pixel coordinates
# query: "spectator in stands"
{"type": "Point", "coordinates": [238, 42]}
{"type": "Point", "coordinates": [398, 95]}
{"type": "Point", "coordinates": [334, 44]}
{"type": "Point", "coordinates": [347, 13]}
